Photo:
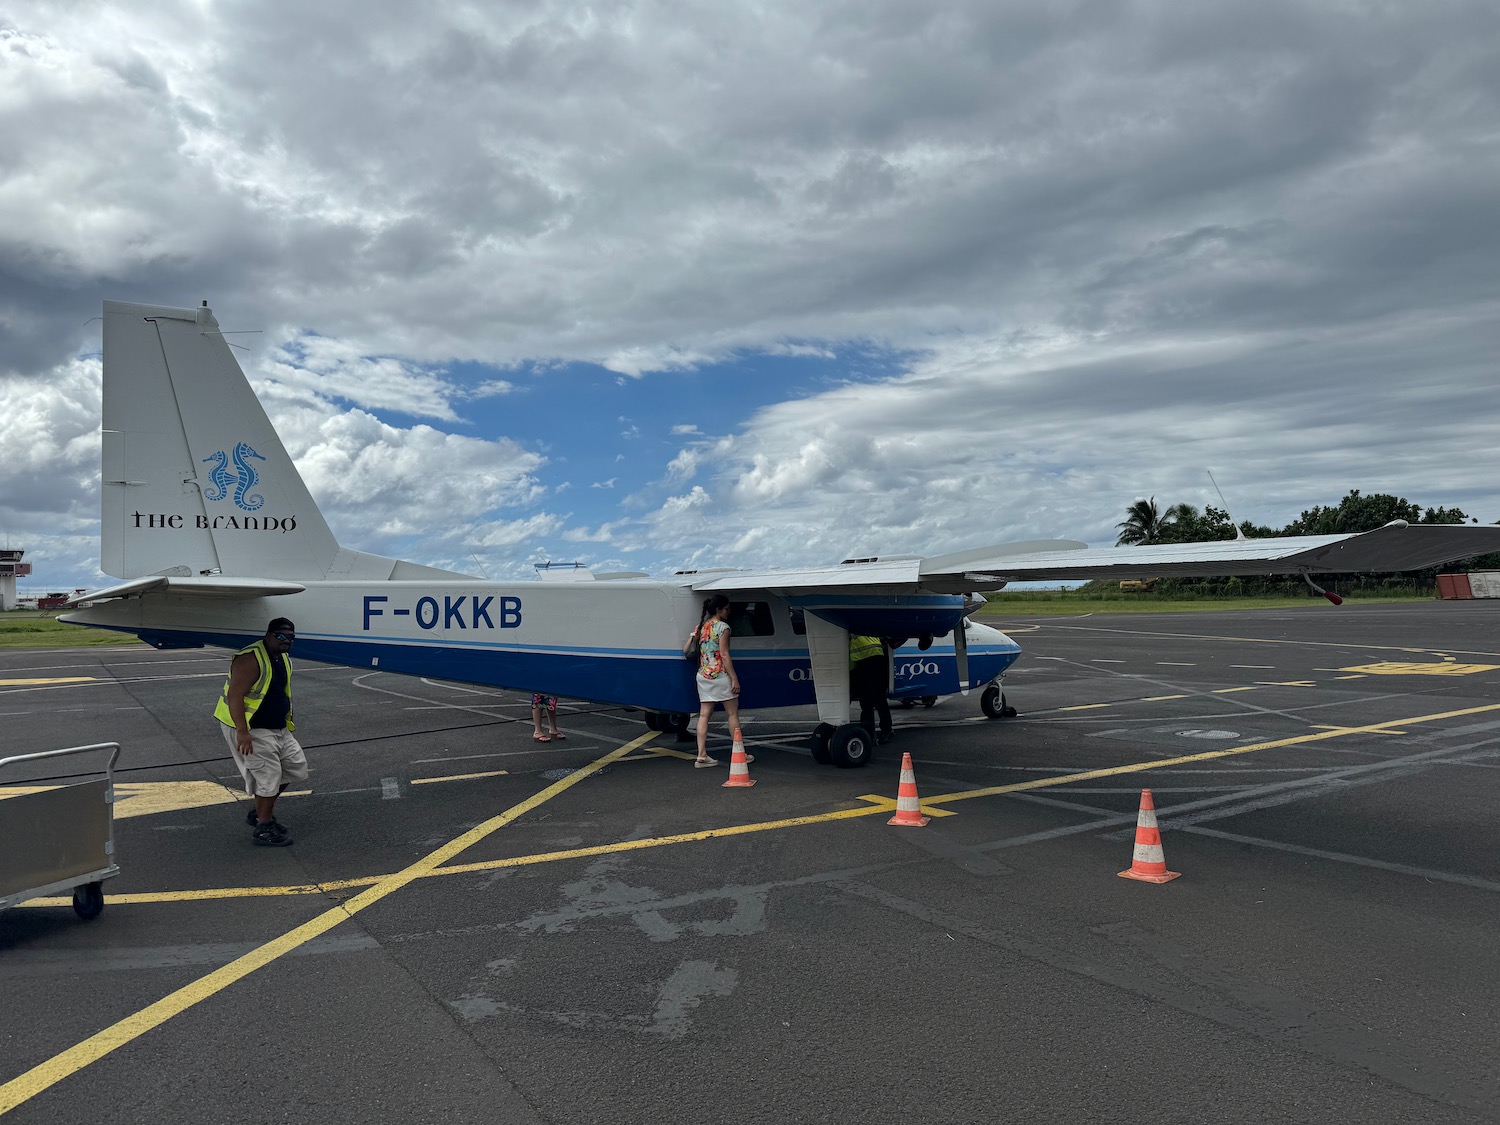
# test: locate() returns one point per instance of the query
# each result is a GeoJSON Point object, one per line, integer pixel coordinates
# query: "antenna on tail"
{"type": "Point", "coordinates": [1238, 533]}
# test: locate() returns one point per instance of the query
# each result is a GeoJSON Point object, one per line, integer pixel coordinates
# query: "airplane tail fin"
{"type": "Point", "coordinates": [195, 480]}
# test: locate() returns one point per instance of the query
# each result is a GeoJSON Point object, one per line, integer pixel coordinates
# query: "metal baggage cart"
{"type": "Point", "coordinates": [60, 838]}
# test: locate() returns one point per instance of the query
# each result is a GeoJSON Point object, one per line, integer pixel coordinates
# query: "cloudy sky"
{"type": "Point", "coordinates": [663, 284]}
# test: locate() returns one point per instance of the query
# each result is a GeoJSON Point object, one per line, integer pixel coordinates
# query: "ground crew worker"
{"type": "Point", "coordinates": [255, 709]}
{"type": "Point", "coordinates": [869, 677]}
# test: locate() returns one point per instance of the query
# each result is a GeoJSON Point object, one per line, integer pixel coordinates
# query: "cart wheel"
{"type": "Point", "coordinates": [928, 700]}
{"type": "Point", "coordinates": [88, 900]}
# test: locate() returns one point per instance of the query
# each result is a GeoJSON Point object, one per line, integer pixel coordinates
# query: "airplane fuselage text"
{"type": "Point", "coordinates": [448, 612]}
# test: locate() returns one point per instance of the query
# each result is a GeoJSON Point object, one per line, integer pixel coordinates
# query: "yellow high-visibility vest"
{"type": "Point", "coordinates": [862, 648]}
{"type": "Point", "coordinates": [257, 690]}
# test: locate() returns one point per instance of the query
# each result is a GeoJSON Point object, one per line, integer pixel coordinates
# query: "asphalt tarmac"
{"type": "Point", "coordinates": [475, 927]}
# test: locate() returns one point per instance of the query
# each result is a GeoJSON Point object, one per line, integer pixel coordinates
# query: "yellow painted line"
{"type": "Point", "coordinates": [1329, 726]}
{"type": "Point", "coordinates": [1230, 690]}
{"type": "Point", "coordinates": [1160, 698]}
{"type": "Point", "coordinates": [1205, 756]}
{"type": "Point", "coordinates": [22, 790]}
{"type": "Point", "coordinates": [1086, 707]}
{"type": "Point", "coordinates": [656, 753]}
{"type": "Point", "coordinates": [47, 1074]}
{"type": "Point", "coordinates": [146, 798]}
{"type": "Point", "coordinates": [1359, 677]}
{"type": "Point", "coordinates": [458, 777]}
{"type": "Point", "coordinates": [50, 680]}
{"type": "Point", "coordinates": [1287, 683]}
{"type": "Point", "coordinates": [770, 825]}
{"type": "Point", "coordinates": [1421, 668]}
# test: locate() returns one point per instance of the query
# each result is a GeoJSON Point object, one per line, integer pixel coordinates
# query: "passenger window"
{"type": "Point", "coordinates": [799, 622]}
{"type": "Point", "coordinates": [751, 619]}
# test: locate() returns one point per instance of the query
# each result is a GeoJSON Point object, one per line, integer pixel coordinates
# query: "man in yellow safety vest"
{"type": "Point", "coordinates": [255, 711]}
{"type": "Point", "coordinates": [869, 677]}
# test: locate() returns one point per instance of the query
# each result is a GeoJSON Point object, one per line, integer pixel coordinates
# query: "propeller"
{"type": "Point", "coordinates": [961, 653]}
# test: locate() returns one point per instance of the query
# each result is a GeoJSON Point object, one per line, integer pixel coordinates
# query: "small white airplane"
{"type": "Point", "coordinates": [208, 521]}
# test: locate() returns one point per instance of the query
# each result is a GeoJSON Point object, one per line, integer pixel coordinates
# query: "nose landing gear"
{"type": "Point", "coordinates": [992, 703]}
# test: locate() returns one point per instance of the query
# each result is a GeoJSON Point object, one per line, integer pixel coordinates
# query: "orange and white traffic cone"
{"type": "Point", "coordinates": [1150, 863]}
{"type": "Point", "coordinates": [739, 765]}
{"type": "Point", "coordinates": [908, 806]}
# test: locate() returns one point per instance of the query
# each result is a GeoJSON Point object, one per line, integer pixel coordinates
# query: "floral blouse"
{"type": "Point", "coordinates": [711, 653]}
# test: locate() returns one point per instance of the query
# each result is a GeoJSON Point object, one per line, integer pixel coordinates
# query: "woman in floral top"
{"type": "Point", "coordinates": [717, 682]}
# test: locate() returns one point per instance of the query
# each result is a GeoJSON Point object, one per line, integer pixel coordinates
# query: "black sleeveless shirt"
{"type": "Point", "coordinates": [275, 707]}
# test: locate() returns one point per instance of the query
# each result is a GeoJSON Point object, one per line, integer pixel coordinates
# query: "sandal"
{"type": "Point", "coordinates": [541, 738]}
{"type": "Point", "coordinates": [704, 763]}
{"type": "Point", "coordinates": [557, 734]}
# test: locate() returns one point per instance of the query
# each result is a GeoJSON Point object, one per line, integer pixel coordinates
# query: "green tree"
{"type": "Point", "coordinates": [1142, 524]}
{"type": "Point", "coordinates": [1355, 513]}
{"type": "Point", "coordinates": [1183, 523]}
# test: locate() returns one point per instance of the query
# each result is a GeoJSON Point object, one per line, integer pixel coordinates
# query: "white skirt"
{"type": "Point", "coordinates": [715, 690]}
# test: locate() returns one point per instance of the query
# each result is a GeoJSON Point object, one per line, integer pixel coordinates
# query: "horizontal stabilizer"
{"type": "Point", "coordinates": [192, 588]}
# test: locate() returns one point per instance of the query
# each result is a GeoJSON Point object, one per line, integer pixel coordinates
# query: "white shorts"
{"type": "Point", "coordinates": [715, 690]}
{"type": "Point", "coordinates": [275, 759]}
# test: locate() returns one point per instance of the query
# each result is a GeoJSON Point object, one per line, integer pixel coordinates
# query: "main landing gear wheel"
{"type": "Point", "coordinates": [821, 735]}
{"type": "Point", "coordinates": [676, 723]}
{"type": "Point", "coordinates": [992, 703]}
{"type": "Point", "coordinates": [929, 700]}
{"type": "Point", "coordinates": [851, 746]}
{"type": "Point", "coordinates": [653, 720]}
{"type": "Point", "coordinates": [88, 900]}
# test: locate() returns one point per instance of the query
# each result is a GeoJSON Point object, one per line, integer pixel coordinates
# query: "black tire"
{"type": "Point", "coordinates": [851, 747]}
{"type": "Point", "coordinates": [908, 704]}
{"type": "Point", "coordinates": [88, 900]}
{"type": "Point", "coordinates": [675, 722]}
{"type": "Point", "coordinates": [653, 720]}
{"type": "Point", "coordinates": [929, 700]}
{"type": "Point", "coordinates": [991, 701]}
{"type": "Point", "coordinates": [821, 735]}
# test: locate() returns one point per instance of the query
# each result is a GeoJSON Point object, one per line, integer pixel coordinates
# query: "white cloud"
{"type": "Point", "coordinates": [1074, 260]}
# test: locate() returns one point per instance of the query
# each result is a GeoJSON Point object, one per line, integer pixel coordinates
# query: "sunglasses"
{"type": "Point", "coordinates": [287, 637]}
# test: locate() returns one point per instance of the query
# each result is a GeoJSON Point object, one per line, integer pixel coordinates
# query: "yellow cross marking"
{"type": "Point", "coordinates": [144, 798]}
{"type": "Point", "coordinates": [1421, 668]}
{"type": "Point", "coordinates": [888, 804]}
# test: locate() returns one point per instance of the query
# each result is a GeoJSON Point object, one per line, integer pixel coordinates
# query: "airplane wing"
{"type": "Point", "coordinates": [1398, 546]}
{"type": "Point", "coordinates": [191, 587]}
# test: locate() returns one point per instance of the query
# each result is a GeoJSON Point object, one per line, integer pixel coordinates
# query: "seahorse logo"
{"type": "Point", "coordinates": [218, 476]}
{"type": "Point", "coordinates": [221, 479]}
{"type": "Point", "coordinates": [249, 478]}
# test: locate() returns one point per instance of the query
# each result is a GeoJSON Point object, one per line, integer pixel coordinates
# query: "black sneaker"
{"type": "Point", "coordinates": [250, 818]}
{"type": "Point", "coordinates": [271, 835]}
{"type": "Point", "coordinates": [883, 737]}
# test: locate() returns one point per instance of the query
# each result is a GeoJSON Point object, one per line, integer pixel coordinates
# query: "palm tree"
{"type": "Point", "coordinates": [1143, 524]}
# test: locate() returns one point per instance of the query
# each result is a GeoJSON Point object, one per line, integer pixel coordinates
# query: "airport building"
{"type": "Point", "coordinates": [11, 568]}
